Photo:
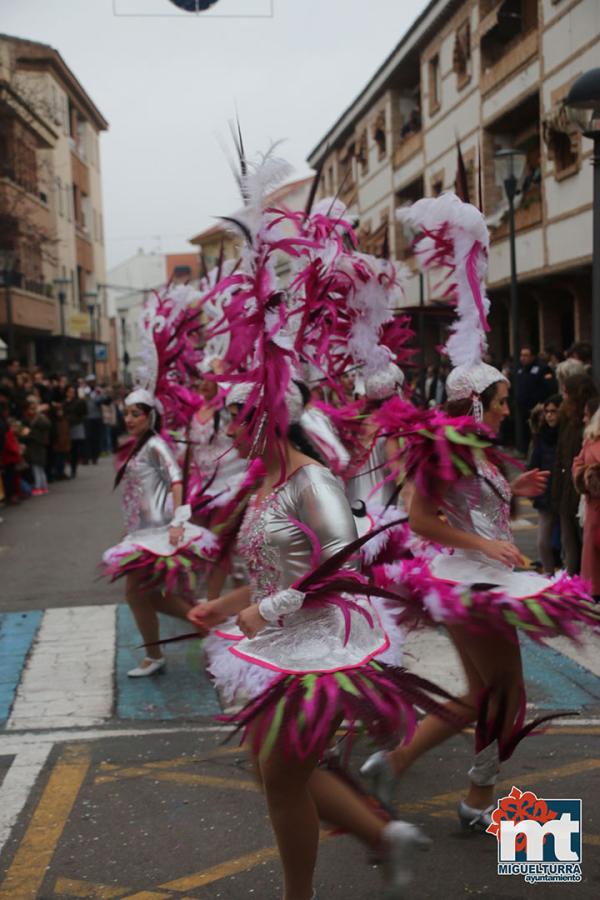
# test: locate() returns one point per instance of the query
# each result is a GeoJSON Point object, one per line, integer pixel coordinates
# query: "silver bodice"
{"type": "Point", "coordinates": [368, 485]}
{"type": "Point", "coordinates": [481, 505]}
{"type": "Point", "coordinates": [278, 551]}
{"type": "Point", "coordinates": [275, 549]}
{"type": "Point", "coordinates": [214, 454]}
{"type": "Point", "coordinates": [147, 485]}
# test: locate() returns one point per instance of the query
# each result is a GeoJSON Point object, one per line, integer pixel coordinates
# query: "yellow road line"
{"type": "Point", "coordinates": [28, 868]}
{"type": "Point", "coordinates": [113, 768]}
{"type": "Point", "coordinates": [71, 887]}
{"type": "Point", "coordinates": [535, 777]}
{"type": "Point", "coordinates": [235, 784]}
{"type": "Point", "coordinates": [593, 839]}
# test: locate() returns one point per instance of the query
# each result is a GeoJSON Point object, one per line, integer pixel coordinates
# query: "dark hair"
{"type": "Point", "coordinates": [554, 400]}
{"type": "Point", "coordinates": [143, 439]}
{"type": "Point", "coordinates": [592, 405]}
{"type": "Point", "coordinates": [300, 440]}
{"type": "Point", "coordinates": [578, 390]}
{"type": "Point", "coordinates": [456, 408]}
{"type": "Point", "coordinates": [304, 390]}
{"type": "Point", "coordinates": [583, 350]}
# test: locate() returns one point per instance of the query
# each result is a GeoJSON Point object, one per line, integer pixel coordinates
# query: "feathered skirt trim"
{"type": "Point", "coordinates": [299, 712]}
{"type": "Point", "coordinates": [542, 608]}
{"type": "Point", "coordinates": [149, 553]}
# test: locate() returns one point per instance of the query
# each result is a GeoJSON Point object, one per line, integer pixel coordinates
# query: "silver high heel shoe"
{"type": "Point", "coordinates": [380, 777]}
{"type": "Point", "coordinates": [474, 820]}
{"type": "Point", "coordinates": [400, 840]}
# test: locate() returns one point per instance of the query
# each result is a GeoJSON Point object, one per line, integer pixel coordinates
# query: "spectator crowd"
{"type": "Point", "coordinates": [49, 426]}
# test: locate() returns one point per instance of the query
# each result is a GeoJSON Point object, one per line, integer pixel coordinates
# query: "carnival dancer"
{"type": "Point", "coordinates": [474, 588]}
{"type": "Point", "coordinates": [217, 472]}
{"type": "Point", "coordinates": [373, 484]}
{"type": "Point", "coordinates": [162, 550]}
{"type": "Point", "coordinates": [309, 631]}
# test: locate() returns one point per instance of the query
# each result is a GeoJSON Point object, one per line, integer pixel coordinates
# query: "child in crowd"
{"type": "Point", "coordinates": [586, 475]}
{"type": "Point", "coordinates": [544, 430]}
{"type": "Point", "coordinates": [36, 437]}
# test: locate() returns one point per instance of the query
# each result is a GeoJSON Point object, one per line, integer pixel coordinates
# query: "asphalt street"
{"type": "Point", "coordinates": [140, 797]}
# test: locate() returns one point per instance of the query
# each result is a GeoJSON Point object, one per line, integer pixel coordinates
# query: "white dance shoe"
{"type": "Point", "coordinates": [474, 820]}
{"type": "Point", "coordinates": [400, 840]}
{"type": "Point", "coordinates": [381, 779]}
{"type": "Point", "coordinates": [144, 671]}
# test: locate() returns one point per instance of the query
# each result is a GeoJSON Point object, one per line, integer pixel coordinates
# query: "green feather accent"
{"type": "Point", "coordinates": [273, 731]}
{"type": "Point", "coordinates": [467, 440]}
{"type": "Point", "coordinates": [309, 683]}
{"type": "Point", "coordinates": [346, 685]}
{"type": "Point", "coordinates": [539, 612]}
{"type": "Point", "coordinates": [127, 559]}
{"type": "Point", "coordinates": [170, 562]}
{"type": "Point", "coordinates": [461, 465]}
{"type": "Point", "coordinates": [513, 619]}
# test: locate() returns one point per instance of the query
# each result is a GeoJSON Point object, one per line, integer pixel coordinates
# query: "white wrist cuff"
{"type": "Point", "coordinates": [181, 515]}
{"type": "Point", "coordinates": [280, 604]}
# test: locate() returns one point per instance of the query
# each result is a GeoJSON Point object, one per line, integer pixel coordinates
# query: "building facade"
{"type": "Point", "coordinates": [52, 304]}
{"type": "Point", "coordinates": [220, 241]}
{"type": "Point", "coordinates": [128, 286]}
{"type": "Point", "coordinates": [483, 75]}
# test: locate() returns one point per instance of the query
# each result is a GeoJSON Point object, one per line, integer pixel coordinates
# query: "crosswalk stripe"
{"type": "Point", "coordinates": [17, 631]}
{"type": "Point", "coordinates": [67, 668]}
{"type": "Point", "coordinates": [68, 680]}
{"type": "Point", "coordinates": [182, 691]}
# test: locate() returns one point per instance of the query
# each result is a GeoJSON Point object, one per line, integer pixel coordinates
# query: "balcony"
{"type": "Point", "coordinates": [80, 172]}
{"type": "Point", "coordinates": [509, 39]}
{"type": "Point", "coordinates": [31, 311]}
{"type": "Point", "coordinates": [84, 249]}
{"type": "Point", "coordinates": [407, 148]}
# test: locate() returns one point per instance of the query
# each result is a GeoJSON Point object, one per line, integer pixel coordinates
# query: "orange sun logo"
{"type": "Point", "coordinates": [518, 806]}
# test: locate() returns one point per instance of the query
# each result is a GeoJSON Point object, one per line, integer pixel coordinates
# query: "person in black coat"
{"type": "Point", "coordinates": [534, 383]}
{"type": "Point", "coordinates": [544, 429]}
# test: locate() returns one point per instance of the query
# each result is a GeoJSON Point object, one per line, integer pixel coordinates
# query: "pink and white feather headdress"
{"type": "Point", "coordinates": [170, 354]}
{"type": "Point", "coordinates": [453, 235]}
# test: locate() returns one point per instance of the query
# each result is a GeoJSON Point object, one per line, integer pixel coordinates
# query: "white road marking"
{"type": "Point", "coordinates": [68, 680]}
{"type": "Point", "coordinates": [586, 654]}
{"type": "Point", "coordinates": [18, 783]}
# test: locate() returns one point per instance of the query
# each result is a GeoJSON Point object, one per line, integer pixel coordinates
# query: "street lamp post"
{"type": "Point", "coordinates": [91, 297]}
{"type": "Point", "coordinates": [123, 319]}
{"type": "Point", "coordinates": [61, 284]}
{"type": "Point", "coordinates": [8, 262]}
{"type": "Point", "coordinates": [583, 105]}
{"type": "Point", "coordinates": [510, 166]}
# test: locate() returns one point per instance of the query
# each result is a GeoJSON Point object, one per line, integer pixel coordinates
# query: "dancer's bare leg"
{"type": "Point", "coordinates": [216, 579]}
{"type": "Point", "coordinates": [432, 730]}
{"type": "Point", "coordinates": [498, 661]}
{"type": "Point", "coordinates": [142, 600]}
{"type": "Point", "coordinates": [294, 818]}
{"type": "Point", "coordinates": [171, 605]}
{"type": "Point", "coordinates": [339, 805]}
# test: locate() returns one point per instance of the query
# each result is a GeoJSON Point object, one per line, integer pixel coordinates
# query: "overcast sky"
{"type": "Point", "coordinates": [169, 84]}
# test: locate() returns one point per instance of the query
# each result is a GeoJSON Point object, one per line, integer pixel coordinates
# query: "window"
{"type": "Point", "coordinates": [379, 134]}
{"type": "Point", "coordinates": [437, 183]}
{"type": "Point", "coordinates": [563, 143]}
{"type": "Point", "coordinates": [435, 84]}
{"type": "Point", "coordinates": [59, 198]}
{"type": "Point", "coordinates": [362, 153]}
{"type": "Point", "coordinates": [461, 58]}
{"type": "Point", "coordinates": [69, 203]}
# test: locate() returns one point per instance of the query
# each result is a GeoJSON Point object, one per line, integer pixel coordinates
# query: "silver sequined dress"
{"type": "Point", "coordinates": [481, 505]}
{"type": "Point", "coordinates": [277, 552]}
{"type": "Point", "coordinates": [368, 484]}
{"type": "Point", "coordinates": [148, 507]}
